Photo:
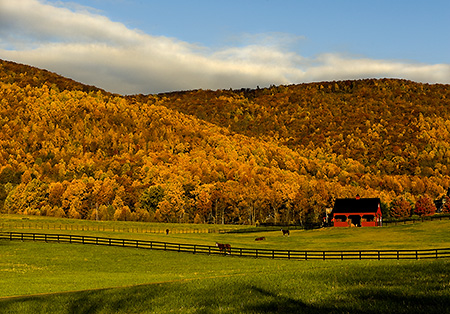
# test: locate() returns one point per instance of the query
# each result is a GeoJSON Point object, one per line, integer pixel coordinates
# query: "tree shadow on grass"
{"type": "Point", "coordinates": [364, 301]}
{"type": "Point", "coordinates": [279, 304]}
{"type": "Point", "coordinates": [148, 299]}
{"type": "Point", "coordinates": [117, 300]}
{"type": "Point", "coordinates": [136, 299]}
{"type": "Point", "coordinates": [355, 288]}
{"type": "Point", "coordinates": [410, 287]}
{"type": "Point", "coordinates": [385, 301]}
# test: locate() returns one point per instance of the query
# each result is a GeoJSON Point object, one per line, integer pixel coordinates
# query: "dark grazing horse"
{"type": "Point", "coordinates": [260, 239]}
{"type": "Point", "coordinates": [224, 248]}
{"type": "Point", "coordinates": [285, 232]}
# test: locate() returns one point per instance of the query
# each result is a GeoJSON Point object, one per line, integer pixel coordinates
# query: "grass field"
{"type": "Point", "coordinates": [424, 235]}
{"type": "Point", "coordinates": [72, 278]}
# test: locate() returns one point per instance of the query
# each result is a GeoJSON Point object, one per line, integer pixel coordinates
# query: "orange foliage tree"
{"type": "Point", "coordinates": [424, 206]}
{"type": "Point", "coordinates": [400, 208]}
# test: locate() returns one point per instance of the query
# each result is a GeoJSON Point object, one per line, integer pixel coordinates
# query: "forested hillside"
{"type": "Point", "coordinates": [281, 154]}
{"type": "Point", "coordinates": [390, 126]}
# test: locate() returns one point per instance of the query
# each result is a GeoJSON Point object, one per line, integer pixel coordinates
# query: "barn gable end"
{"type": "Point", "coordinates": [358, 212]}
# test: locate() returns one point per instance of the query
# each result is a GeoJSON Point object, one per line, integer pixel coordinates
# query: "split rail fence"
{"type": "Point", "coordinates": [240, 252]}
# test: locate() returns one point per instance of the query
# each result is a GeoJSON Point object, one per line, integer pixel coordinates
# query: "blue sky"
{"type": "Point", "coordinates": [137, 46]}
{"type": "Point", "coordinates": [391, 29]}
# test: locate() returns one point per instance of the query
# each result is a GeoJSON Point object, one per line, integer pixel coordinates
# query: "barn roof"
{"type": "Point", "coordinates": [356, 205]}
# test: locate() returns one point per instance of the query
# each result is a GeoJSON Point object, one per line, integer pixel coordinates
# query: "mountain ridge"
{"type": "Point", "coordinates": [279, 154]}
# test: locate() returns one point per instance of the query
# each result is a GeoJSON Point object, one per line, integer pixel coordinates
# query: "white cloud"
{"type": "Point", "coordinates": [340, 67]}
{"type": "Point", "coordinates": [94, 50]}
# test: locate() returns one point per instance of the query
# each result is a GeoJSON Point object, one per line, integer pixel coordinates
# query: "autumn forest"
{"type": "Point", "coordinates": [267, 155]}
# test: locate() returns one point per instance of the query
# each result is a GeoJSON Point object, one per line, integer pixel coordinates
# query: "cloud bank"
{"type": "Point", "coordinates": [94, 50]}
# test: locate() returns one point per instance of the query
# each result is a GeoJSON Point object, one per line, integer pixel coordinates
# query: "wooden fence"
{"type": "Point", "coordinates": [241, 252]}
{"type": "Point", "coordinates": [411, 220]}
{"type": "Point", "coordinates": [100, 227]}
{"type": "Point", "coordinates": [103, 226]}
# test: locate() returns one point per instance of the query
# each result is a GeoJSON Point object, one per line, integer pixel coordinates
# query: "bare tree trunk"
{"type": "Point", "coordinates": [215, 208]}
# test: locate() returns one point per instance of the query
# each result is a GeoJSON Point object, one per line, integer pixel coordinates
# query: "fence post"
{"type": "Point", "coordinates": [417, 255]}
{"type": "Point", "coordinates": [323, 253]}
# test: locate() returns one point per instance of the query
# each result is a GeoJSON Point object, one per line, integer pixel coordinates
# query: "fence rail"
{"type": "Point", "coordinates": [100, 227]}
{"type": "Point", "coordinates": [410, 220]}
{"type": "Point", "coordinates": [235, 251]}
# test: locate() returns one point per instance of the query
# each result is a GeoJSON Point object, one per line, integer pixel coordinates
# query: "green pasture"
{"type": "Point", "coordinates": [420, 235]}
{"type": "Point", "coordinates": [73, 278]}
{"type": "Point", "coordinates": [64, 224]}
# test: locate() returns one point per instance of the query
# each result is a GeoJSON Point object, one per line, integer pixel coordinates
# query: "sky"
{"type": "Point", "coordinates": [149, 47]}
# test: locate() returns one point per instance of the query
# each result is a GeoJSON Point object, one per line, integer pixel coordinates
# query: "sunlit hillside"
{"type": "Point", "coordinates": [281, 154]}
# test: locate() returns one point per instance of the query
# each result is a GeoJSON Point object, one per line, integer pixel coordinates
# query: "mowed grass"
{"type": "Point", "coordinates": [73, 278]}
{"type": "Point", "coordinates": [422, 235]}
{"type": "Point", "coordinates": [142, 281]}
{"type": "Point", "coordinates": [44, 223]}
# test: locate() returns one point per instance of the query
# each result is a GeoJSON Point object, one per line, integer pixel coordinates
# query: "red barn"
{"type": "Point", "coordinates": [358, 212]}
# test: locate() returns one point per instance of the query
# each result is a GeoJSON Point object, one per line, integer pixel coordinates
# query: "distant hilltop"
{"type": "Point", "coordinates": [271, 155]}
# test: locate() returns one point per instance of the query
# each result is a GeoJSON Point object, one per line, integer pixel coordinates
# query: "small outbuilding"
{"type": "Point", "coordinates": [357, 212]}
{"type": "Point", "coordinates": [440, 202]}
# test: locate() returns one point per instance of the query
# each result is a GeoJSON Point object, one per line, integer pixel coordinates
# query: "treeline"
{"type": "Point", "coordinates": [281, 154]}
